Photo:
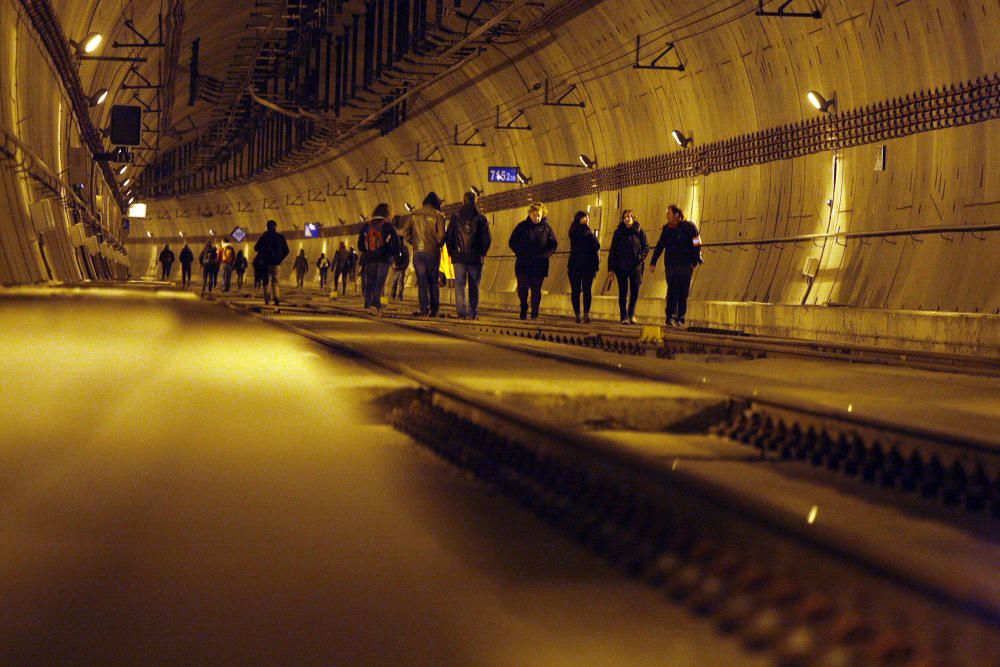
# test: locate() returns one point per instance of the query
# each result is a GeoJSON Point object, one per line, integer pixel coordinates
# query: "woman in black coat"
{"type": "Point", "coordinates": [533, 242]}
{"type": "Point", "coordinates": [583, 263]}
{"type": "Point", "coordinates": [628, 252]}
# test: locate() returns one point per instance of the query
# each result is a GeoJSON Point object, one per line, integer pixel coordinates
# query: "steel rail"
{"type": "Point", "coordinates": [658, 519]}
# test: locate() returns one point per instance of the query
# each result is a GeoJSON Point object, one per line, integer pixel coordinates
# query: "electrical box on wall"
{"type": "Point", "coordinates": [41, 215]}
{"type": "Point", "coordinates": [880, 158]}
{"type": "Point", "coordinates": [811, 267]}
{"type": "Point", "coordinates": [79, 166]}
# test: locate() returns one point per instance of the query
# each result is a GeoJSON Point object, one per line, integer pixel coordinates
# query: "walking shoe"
{"type": "Point", "coordinates": [586, 319]}
{"type": "Point", "coordinates": [277, 303]}
{"type": "Point", "coordinates": [578, 320]}
{"type": "Point", "coordinates": [632, 320]}
{"type": "Point", "coordinates": [671, 322]}
{"type": "Point", "coordinates": [625, 321]}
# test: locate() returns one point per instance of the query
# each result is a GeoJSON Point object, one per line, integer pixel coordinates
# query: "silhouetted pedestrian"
{"type": "Point", "coordinates": [584, 261]}
{"type": "Point", "coordinates": [323, 264]}
{"type": "Point", "coordinates": [425, 229]}
{"type": "Point", "coordinates": [209, 260]}
{"type": "Point", "coordinates": [187, 259]}
{"type": "Point", "coordinates": [300, 266]}
{"type": "Point", "coordinates": [379, 244]}
{"type": "Point", "coordinates": [680, 241]}
{"type": "Point", "coordinates": [533, 242]}
{"type": "Point", "coordinates": [626, 259]}
{"type": "Point", "coordinates": [274, 249]}
{"type": "Point", "coordinates": [240, 266]}
{"type": "Point", "coordinates": [167, 261]}
{"type": "Point", "coordinates": [468, 239]}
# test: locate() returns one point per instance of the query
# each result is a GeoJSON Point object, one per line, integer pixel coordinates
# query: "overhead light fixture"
{"type": "Point", "coordinates": [131, 199]}
{"type": "Point", "coordinates": [587, 162]}
{"type": "Point", "coordinates": [89, 43]}
{"type": "Point", "coordinates": [211, 232]}
{"type": "Point", "coordinates": [180, 233]}
{"type": "Point", "coordinates": [149, 235]}
{"type": "Point", "coordinates": [408, 206]}
{"type": "Point", "coordinates": [122, 169]}
{"type": "Point", "coordinates": [821, 103]}
{"type": "Point", "coordinates": [98, 97]}
{"type": "Point", "coordinates": [126, 182]}
{"type": "Point", "coordinates": [523, 178]}
{"type": "Point", "coordinates": [363, 218]}
{"type": "Point", "coordinates": [681, 140]}
{"type": "Point", "coordinates": [476, 191]}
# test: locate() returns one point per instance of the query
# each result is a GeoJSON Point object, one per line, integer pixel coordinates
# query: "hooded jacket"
{"type": "Point", "coordinates": [628, 248]}
{"type": "Point", "coordinates": [468, 236]}
{"type": "Point", "coordinates": [583, 249]}
{"type": "Point", "coordinates": [533, 244]}
{"type": "Point", "coordinates": [187, 257]}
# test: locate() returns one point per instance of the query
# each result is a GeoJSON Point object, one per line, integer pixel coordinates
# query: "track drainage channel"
{"type": "Point", "coordinates": [778, 592]}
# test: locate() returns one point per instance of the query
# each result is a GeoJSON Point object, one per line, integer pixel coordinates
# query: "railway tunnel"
{"type": "Point", "coordinates": [203, 476]}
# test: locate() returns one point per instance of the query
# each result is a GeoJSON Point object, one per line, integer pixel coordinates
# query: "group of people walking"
{"type": "Point", "coordinates": [383, 250]}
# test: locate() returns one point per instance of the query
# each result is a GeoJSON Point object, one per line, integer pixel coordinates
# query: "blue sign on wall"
{"type": "Point", "coordinates": [312, 230]}
{"type": "Point", "coordinates": [238, 234]}
{"type": "Point", "coordinates": [502, 174]}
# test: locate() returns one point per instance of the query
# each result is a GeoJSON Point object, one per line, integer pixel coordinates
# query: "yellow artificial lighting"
{"type": "Point", "coordinates": [92, 41]}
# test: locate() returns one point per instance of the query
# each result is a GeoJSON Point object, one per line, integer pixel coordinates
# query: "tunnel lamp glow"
{"type": "Point", "coordinates": [180, 233]}
{"type": "Point", "coordinates": [476, 191]}
{"type": "Point", "coordinates": [98, 97]}
{"type": "Point", "coordinates": [819, 102]}
{"type": "Point", "coordinates": [89, 43]}
{"type": "Point", "coordinates": [149, 235]}
{"type": "Point", "coordinates": [363, 217]}
{"type": "Point", "coordinates": [211, 232]}
{"type": "Point", "coordinates": [122, 169]}
{"type": "Point", "coordinates": [126, 182]}
{"type": "Point", "coordinates": [408, 206]}
{"type": "Point", "coordinates": [587, 162]}
{"type": "Point", "coordinates": [681, 140]}
{"type": "Point", "coordinates": [523, 178]}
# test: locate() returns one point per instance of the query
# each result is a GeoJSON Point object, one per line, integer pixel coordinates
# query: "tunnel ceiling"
{"type": "Point", "coordinates": [350, 102]}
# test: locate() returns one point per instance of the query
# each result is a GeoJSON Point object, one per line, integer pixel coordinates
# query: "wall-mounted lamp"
{"type": "Point", "coordinates": [821, 103]}
{"type": "Point", "coordinates": [180, 233]}
{"type": "Point", "coordinates": [587, 162]}
{"type": "Point", "coordinates": [408, 206]}
{"type": "Point", "coordinates": [98, 97]}
{"type": "Point", "coordinates": [342, 221]}
{"type": "Point", "coordinates": [476, 191]}
{"type": "Point", "coordinates": [149, 235]}
{"type": "Point", "coordinates": [131, 199]}
{"type": "Point", "coordinates": [363, 217]}
{"type": "Point", "coordinates": [523, 178]}
{"type": "Point", "coordinates": [122, 169]}
{"type": "Point", "coordinates": [126, 182]}
{"type": "Point", "coordinates": [681, 140]}
{"type": "Point", "coordinates": [89, 43]}
{"type": "Point", "coordinates": [211, 232]}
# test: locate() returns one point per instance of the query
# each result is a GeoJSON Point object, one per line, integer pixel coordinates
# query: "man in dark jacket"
{"type": "Point", "coordinates": [273, 248]}
{"type": "Point", "coordinates": [400, 265]}
{"type": "Point", "coordinates": [379, 244]}
{"type": "Point", "coordinates": [187, 259]}
{"type": "Point", "coordinates": [167, 260]}
{"type": "Point", "coordinates": [625, 259]}
{"type": "Point", "coordinates": [680, 242]}
{"type": "Point", "coordinates": [468, 240]}
{"type": "Point", "coordinates": [341, 269]}
{"type": "Point", "coordinates": [533, 242]}
{"type": "Point", "coordinates": [424, 229]}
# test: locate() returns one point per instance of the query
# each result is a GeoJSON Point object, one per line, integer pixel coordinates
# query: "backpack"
{"type": "Point", "coordinates": [465, 236]}
{"type": "Point", "coordinates": [374, 239]}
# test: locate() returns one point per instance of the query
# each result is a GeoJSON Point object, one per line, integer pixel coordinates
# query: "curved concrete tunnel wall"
{"type": "Point", "coordinates": [743, 74]}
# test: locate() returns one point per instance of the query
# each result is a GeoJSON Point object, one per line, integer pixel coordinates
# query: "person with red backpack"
{"type": "Point", "coordinates": [379, 245]}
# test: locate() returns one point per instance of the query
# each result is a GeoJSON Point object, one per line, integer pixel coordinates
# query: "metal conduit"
{"type": "Point", "coordinates": [26, 162]}
{"type": "Point", "coordinates": [49, 30]}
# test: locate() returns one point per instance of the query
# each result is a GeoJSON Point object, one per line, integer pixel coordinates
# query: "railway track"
{"type": "Point", "coordinates": [958, 473]}
{"type": "Point", "coordinates": [804, 592]}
